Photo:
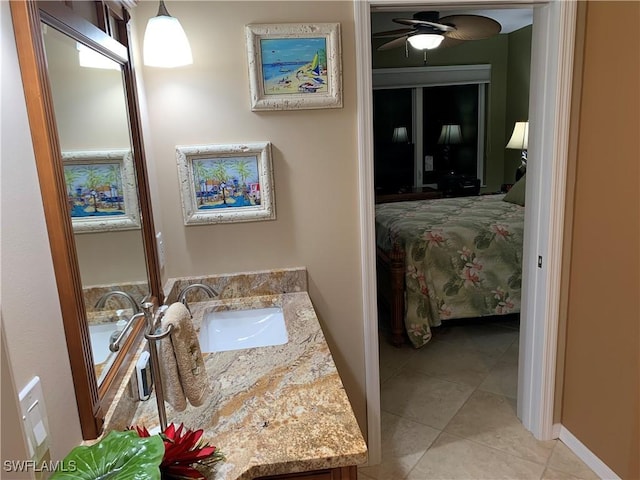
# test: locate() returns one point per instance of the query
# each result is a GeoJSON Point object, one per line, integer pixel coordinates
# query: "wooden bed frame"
{"type": "Point", "coordinates": [390, 278]}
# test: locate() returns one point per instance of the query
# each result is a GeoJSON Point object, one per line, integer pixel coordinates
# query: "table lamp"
{"type": "Point", "coordinates": [519, 141]}
{"type": "Point", "coordinates": [449, 135]}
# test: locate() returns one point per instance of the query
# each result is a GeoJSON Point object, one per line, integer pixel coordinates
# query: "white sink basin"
{"type": "Point", "coordinates": [100, 334]}
{"type": "Point", "coordinates": [237, 329]}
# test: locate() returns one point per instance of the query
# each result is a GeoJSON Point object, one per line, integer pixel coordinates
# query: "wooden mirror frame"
{"type": "Point", "coordinates": [112, 22]}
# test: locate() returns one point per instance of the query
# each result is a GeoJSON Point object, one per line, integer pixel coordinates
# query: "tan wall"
{"type": "Point", "coordinates": [31, 316]}
{"type": "Point", "coordinates": [601, 403]}
{"type": "Point", "coordinates": [314, 161]}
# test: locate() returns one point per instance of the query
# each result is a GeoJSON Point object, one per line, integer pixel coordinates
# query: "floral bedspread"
{"type": "Point", "coordinates": [463, 258]}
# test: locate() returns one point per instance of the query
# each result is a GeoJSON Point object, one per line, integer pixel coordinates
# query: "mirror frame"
{"type": "Point", "coordinates": [112, 17]}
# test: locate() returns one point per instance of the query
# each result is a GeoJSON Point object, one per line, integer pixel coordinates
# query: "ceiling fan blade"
{"type": "Point", "coordinates": [471, 27]}
{"type": "Point", "coordinates": [450, 42]}
{"type": "Point", "coordinates": [412, 21]}
{"type": "Point", "coordinates": [398, 42]}
{"type": "Point", "coordinates": [392, 33]}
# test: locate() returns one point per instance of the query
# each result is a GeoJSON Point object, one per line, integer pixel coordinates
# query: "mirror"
{"type": "Point", "coordinates": [90, 107]}
{"type": "Point", "coordinates": [85, 126]}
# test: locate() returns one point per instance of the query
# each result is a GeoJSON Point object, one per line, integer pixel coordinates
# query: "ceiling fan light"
{"type": "Point", "coordinates": [425, 41]}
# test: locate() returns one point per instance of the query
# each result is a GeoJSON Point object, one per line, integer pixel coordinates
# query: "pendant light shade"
{"type": "Point", "coordinates": [165, 43]}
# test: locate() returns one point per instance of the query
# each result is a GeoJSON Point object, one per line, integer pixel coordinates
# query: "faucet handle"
{"type": "Point", "coordinates": [148, 306]}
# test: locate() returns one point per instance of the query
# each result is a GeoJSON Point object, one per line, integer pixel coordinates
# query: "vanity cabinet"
{"type": "Point", "coordinates": [339, 473]}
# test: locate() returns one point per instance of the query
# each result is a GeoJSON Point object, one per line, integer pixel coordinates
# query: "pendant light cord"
{"type": "Point", "coordinates": [162, 10]}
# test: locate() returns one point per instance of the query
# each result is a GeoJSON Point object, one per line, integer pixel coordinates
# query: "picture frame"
{"type": "Point", "coordinates": [294, 66]}
{"type": "Point", "coordinates": [101, 190]}
{"type": "Point", "coordinates": [226, 183]}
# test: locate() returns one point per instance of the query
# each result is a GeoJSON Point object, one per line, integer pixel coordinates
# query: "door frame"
{"type": "Point", "coordinates": [553, 42]}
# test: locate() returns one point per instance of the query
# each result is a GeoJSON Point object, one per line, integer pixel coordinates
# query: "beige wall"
{"type": "Point", "coordinates": [14, 446]}
{"type": "Point", "coordinates": [601, 402]}
{"type": "Point", "coordinates": [314, 161]}
{"type": "Point", "coordinates": [32, 322]}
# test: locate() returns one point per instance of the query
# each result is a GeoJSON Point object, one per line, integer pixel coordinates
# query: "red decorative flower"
{"type": "Point", "coordinates": [182, 451]}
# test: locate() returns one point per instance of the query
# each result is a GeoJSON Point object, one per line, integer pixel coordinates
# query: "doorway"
{"type": "Point", "coordinates": [552, 58]}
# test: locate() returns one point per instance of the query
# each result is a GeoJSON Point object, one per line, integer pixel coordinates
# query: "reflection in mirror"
{"type": "Point", "coordinates": [93, 127]}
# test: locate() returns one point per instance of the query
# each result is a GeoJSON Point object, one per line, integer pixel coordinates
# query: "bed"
{"type": "Point", "coordinates": [446, 259]}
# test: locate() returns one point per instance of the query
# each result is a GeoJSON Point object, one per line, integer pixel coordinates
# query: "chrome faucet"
{"type": "Point", "coordinates": [114, 345]}
{"type": "Point", "coordinates": [182, 297]}
{"type": "Point", "coordinates": [103, 300]}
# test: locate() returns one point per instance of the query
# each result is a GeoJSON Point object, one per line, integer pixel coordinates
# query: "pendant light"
{"type": "Point", "coordinates": [165, 43]}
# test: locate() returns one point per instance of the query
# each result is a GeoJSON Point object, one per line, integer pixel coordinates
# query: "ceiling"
{"type": "Point", "coordinates": [510, 19]}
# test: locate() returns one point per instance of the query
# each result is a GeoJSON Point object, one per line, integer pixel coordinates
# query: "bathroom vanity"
{"type": "Point", "coordinates": [277, 411]}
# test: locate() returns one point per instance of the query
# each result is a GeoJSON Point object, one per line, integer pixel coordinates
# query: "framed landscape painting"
{"type": "Point", "coordinates": [101, 190]}
{"type": "Point", "coordinates": [226, 183]}
{"type": "Point", "coordinates": [294, 66]}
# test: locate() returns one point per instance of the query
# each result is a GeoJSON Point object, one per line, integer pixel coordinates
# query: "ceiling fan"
{"type": "Point", "coordinates": [427, 30]}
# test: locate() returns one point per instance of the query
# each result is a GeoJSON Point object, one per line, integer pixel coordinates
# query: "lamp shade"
{"type": "Point", "coordinates": [450, 135]}
{"type": "Point", "coordinates": [400, 135]}
{"type": "Point", "coordinates": [520, 137]}
{"type": "Point", "coordinates": [425, 41]}
{"type": "Point", "coordinates": [165, 43]}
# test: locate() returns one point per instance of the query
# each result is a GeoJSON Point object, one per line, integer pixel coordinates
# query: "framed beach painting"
{"type": "Point", "coordinates": [101, 190]}
{"type": "Point", "coordinates": [226, 183]}
{"type": "Point", "coordinates": [294, 66]}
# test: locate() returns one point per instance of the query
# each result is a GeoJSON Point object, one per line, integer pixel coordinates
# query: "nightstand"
{"type": "Point", "coordinates": [411, 194]}
{"type": "Point", "coordinates": [453, 185]}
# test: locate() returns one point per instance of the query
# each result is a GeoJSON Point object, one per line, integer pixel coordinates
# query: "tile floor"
{"type": "Point", "coordinates": [448, 412]}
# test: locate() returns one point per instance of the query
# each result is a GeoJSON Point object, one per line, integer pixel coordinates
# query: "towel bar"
{"type": "Point", "coordinates": [152, 337]}
{"type": "Point", "coordinates": [159, 336]}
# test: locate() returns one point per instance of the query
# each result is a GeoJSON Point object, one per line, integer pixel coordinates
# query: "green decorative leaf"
{"type": "Point", "coordinates": [492, 302]}
{"type": "Point", "coordinates": [453, 286]}
{"type": "Point", "coordinates": [118, 456]}
{"type": "Point", "coordinates": [515, 281]}
{"type": "Point", "coordinates": [457, 263]}
{"type": "Point", "coordinates": [483, 240]}
{"type": "Point", "coordinates": [423, 308]}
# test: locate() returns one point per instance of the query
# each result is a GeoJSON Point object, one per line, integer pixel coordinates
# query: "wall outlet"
{"type": "Point", "coordinates": [160, 243]}
{"type": "Point", "coordinates": [428, 163]}
{"type": "Point", "coordinates": [34, 417]}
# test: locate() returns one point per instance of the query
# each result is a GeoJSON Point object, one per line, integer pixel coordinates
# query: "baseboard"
{"type": "Point", "coordinates": [555, 430]}
{"type": "Point", "coordinates": [586, 455]}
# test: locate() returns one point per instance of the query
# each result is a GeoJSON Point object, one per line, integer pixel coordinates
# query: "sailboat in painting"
{"type": "Point", "coordinates": [315, 65]}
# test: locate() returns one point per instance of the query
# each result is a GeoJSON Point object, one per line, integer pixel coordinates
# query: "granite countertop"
{"type": "Point", "coordinates": [272, 410]}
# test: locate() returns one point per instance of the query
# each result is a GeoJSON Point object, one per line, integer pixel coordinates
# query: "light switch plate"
{"type": "Point", "coordinates": [34, 417]}
{"type": "Point", "coordinates": [160, 243]}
